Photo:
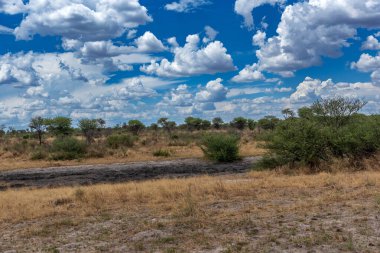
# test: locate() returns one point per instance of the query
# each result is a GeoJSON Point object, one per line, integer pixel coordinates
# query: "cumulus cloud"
{"type": "Point", "coordinates": [213, 92]}
{"type": "Point", "coordinates": [259, 38]}
{"type": "Point", "coordinates": [245, 8]}
{"type": "Point", "coordinates": [180, 96]}
{"type": "Point", "coordinates": [371, 43]}
{"type": "Point", "coordinates": [186, 5]}
{"type": "Point", "coordinates": [85, 20]}
{"type": "Point", "coordinates": [311, 89]}
{"type": "Point", "coordinates": [250, 73]}
{"type": "Point", "coordinates": [313, 29]}
{"type": "Point", "coordinates": [11, 6]}
{"type": "Point", "coordinates": [193, 60]}
{"type": "Point", "coordinates": [369, 64]}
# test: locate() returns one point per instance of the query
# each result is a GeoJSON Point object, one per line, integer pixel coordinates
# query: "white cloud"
{"type": "Point", "coordinates": [148, 43]}
{"type": "Point", "coordinates": [312, 89]}
{"type": "Point", "coordinates": [250, 73]}
{"type": "Point", "coordinates": [5, 30]}
{"type": "Point", "coordinates": [186, 5]}
{"type": "Point", "coordinates": [259, 38]}
{"type": "Point", "coordinates": [11, 6]}
{"type": "Point", "coordinates": [213, 92]}
{"type": "Point", "coordinates": [245, 8]}
{"type": "Point", "coordinates": [311, 30]}
{"type": "Point", "coordinates": [369, 64]}
{"type": "Point", "coordinates": [193, 60]}
{"type": "Point", "coordinates": [81, 19]}
{"type": "Point", "coordinates": [211, 34]}
{"type": "Point", "coordinates": [180, 96]}
{"type": "Point", "coordinates": [371, 44]}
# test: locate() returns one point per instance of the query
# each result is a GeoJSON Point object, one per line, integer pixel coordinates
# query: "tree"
{"type": "Point", "coordinates": [154, 127]}
{"type": "Point", "coordinates": [305, 113]}
{"type": "Point", "coordinates": [288, 113]}
{"type": "Point", "coordinates": [38, 124]}
{"type": "Point", "coordinates": [268, 122]}
{"type": "Point", "coordinates": [217, 123]}
{"type": "Point", "coordinates": [168, 126]}
{"type": "Point", "coordinates": [205, 124]}
{"type": "Point", "coordinates": [239, 123]}
{"type": "Point", "coordinates": [59, 126]}
{"type": "Point", "coordinates": [135, 126]}
{"type": "Point", "coordinates": [337, 111]}
{"type": "Point", "coordinates": [193, 123]}
{"type": "Point", "coordinates": [89, 127]}
{"type": "Point", "coordinates": [101, 122]}
{"type": "Point", "coordinates": [251, 124]}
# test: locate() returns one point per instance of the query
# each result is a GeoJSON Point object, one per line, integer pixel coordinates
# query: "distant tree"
{"type": "Point", "coordinates": [205, 124]}
{"type": "Point", "coordinates": [154, 127]}
{"type": "Point", "coordinates": [193, 123]}
{"type": "Point", "coordinates": [89, 127]}
{"type": "Point", "coordinates": [135, 126]}
{"type": "Point", "coordinates": [288, 113]}
{"type": "Point", "coordinates": [239, 123]}
{"type": "Point", "coordinates": [251, 124]}
{"type": "Point", "coordinates": [168, 126]}
{"type": "Point", "coordinates": [268, 122]}
{"type": "Point", "coordinates": [38, 125]}
{"type": "Point", "coordinates": [2, 132]}
{"type": "Point", "coordinates": [217, 123]}
{"type": "Point", "coordinates": [59, 126]}
{"type": "Point", "coordinates": [101, 122]}
{"type": "Point", "coordinates": [305, 113]}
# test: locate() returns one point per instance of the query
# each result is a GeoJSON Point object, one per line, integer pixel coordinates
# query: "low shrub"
{"type": "Point", "coordinates": [221, 147]}
{"type": "Point", "coordinates": [38, 154]}
{"type": "Point", "coordinates": [68, 148]}
{"type": "Point", "coordinates": [162, 153]}
{"type": "Point", "coordinates": [121, 140]}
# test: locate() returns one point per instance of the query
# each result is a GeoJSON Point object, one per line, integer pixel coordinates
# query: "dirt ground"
{"type": "Point", "coordinates": [113, 173]}
{"type": "Point", "coordinates": [252, 212]}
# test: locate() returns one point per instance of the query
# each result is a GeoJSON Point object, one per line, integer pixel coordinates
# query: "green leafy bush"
{"type": "Point", "coordinates": [118, 141]}
{"type": "Point", "coordinates": [68, 148]}
{"type": "Point", "coordinates": [221, 147]}
{"type": "Point", "coordinates": [329, 129]}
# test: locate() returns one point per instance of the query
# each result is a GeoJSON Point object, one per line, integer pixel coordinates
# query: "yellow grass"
{"type": "Point", "coordinates": [254, 212]}
{"type": "Point", "coordinates": [135, 154]}
{"type": "Point", "coordinates": [165, 194]}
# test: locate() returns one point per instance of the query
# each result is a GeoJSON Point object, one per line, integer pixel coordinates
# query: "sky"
{"type": "Point", "coordinates": [146, 59]}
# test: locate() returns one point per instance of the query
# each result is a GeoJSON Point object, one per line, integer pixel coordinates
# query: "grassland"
{"type": "Point", "coordinates": [254, 212]}
{"type": "Point", "coordinates": [143, 150]}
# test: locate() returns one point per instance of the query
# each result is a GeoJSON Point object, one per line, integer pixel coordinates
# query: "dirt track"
{"type": "Point", "coordinates": [113, 173]}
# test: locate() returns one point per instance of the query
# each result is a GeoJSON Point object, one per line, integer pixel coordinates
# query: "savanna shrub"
{"type": "Point", "coordinates": [117, 141]}
{"type": "Point", "coordinates": [162, 153]}
{"type": "Point", "coordinates": [331, 129]}
{"type": "Point", "coordinates": [68, 148]}
{"type": "Point", "coordinates": [221, 147]}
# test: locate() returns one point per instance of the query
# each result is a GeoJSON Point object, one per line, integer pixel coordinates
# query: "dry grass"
{"type": "Point", "coordinates": [142, 151]}
{"type": "Point", "coordinates": [255, 212]}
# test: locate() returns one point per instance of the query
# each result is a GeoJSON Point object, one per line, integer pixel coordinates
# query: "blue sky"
{"type": "Point", "coordinates": [145, 59]}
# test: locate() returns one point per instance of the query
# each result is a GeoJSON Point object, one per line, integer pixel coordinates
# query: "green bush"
{"type": "Point", "coordinates": [118, 141]}
{"type": "Point", "coordinates": [38, 154]}
{"type": "Point", "coordinates": [221, 147]}
{"type": "Point", "coordinates": [68, 148]}
{"type": "Point", "coordinates": [329, 129]}
{"type": "Point", "coordinates": [162, 153]}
